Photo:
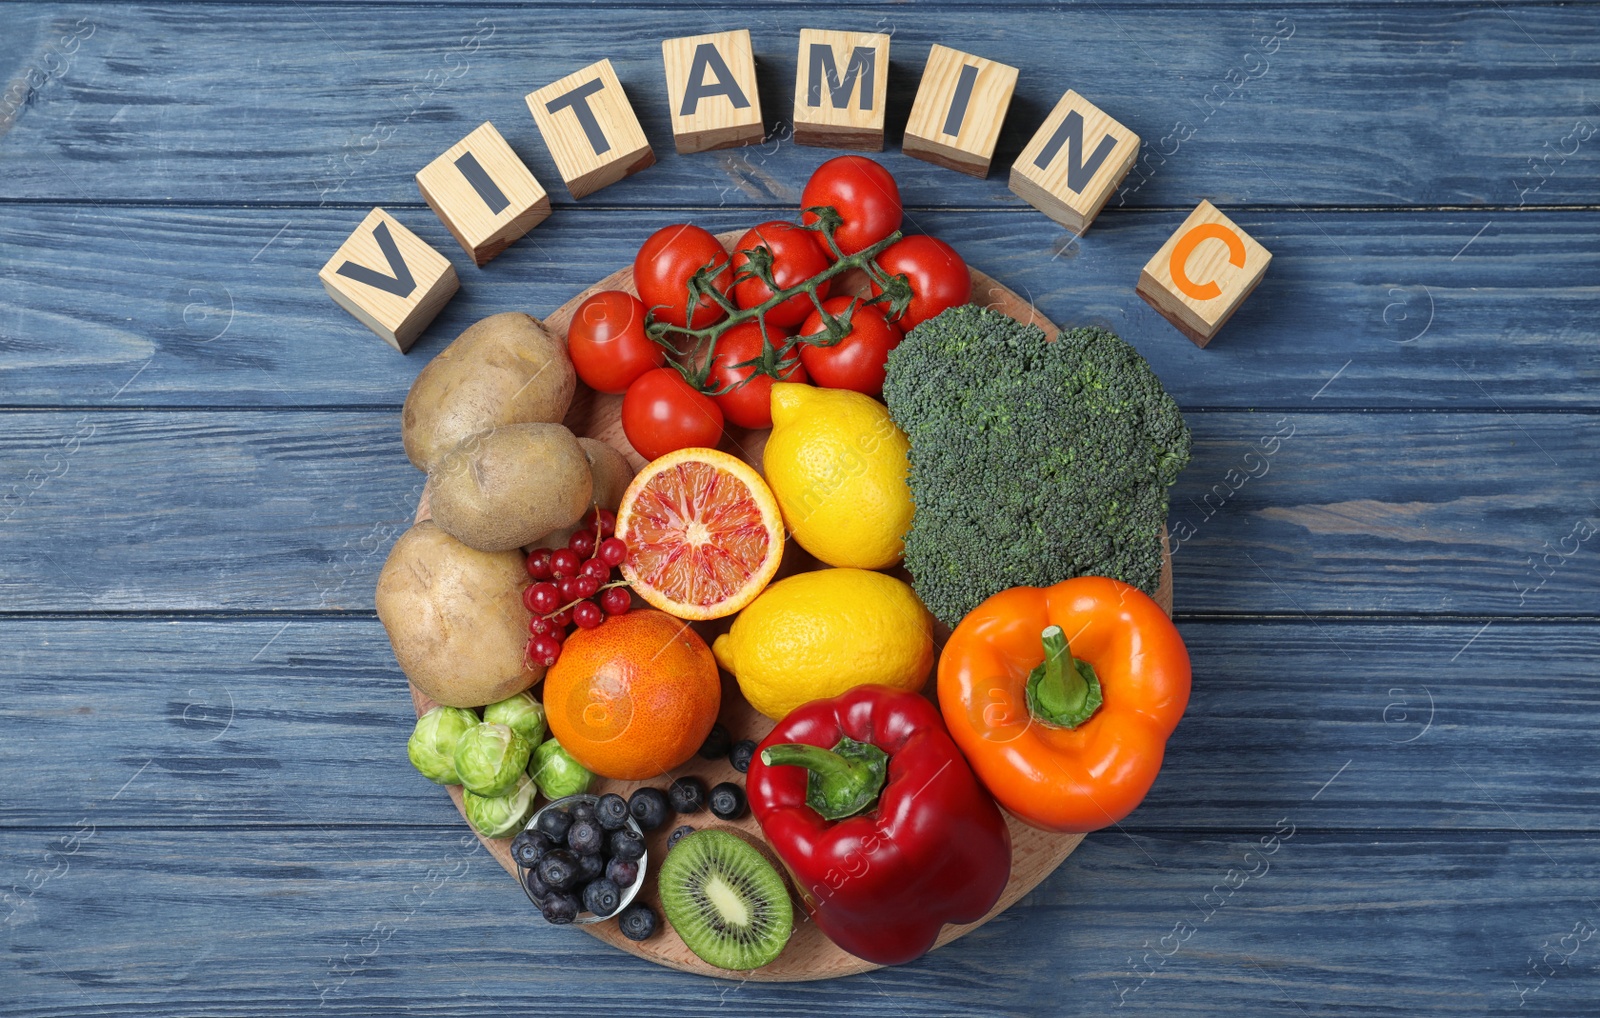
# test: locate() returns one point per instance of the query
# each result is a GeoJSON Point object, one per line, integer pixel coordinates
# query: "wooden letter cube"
{"type": "Point", "coordinates": [1203, 273]}
{"type": "Point", "coordinates": [711, 84]}
{"type": "Point", "coordinates": [483, 194]}
{"type": "Point", "coordinates": [1074, 162]}
{"type": "Point", "coordinates": [590, 129]}
{"type": "Point", "coordinates": [841, 86]}
{"type": "Point", "coordinates": [390, 279]}
{"type": "Point", "coordinates": [959, 108]}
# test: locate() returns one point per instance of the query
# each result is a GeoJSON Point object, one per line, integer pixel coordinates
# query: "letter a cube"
{"type": "Point", "coordinates": [960, 105]}
{"type": "Point", "coordinates": [390, 279]}
{"type": "Point", "coordinates": [1203, 273]}
{"type": "Point", "coordinates": [590, 129]}
{"type": "Point", "coordinates": [841, 86]}
{"type": "Point", "coordinates": [711, 84]}
{"type": "Point", "coordinates": [1074, 162]}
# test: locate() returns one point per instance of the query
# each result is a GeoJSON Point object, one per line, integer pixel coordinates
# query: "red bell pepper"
{"type": "Point", "coordinates": [881, 822]}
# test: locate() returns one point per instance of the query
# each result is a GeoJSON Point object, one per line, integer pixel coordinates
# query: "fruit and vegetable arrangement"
{"type": "Point", "coordinates": [726, 522]}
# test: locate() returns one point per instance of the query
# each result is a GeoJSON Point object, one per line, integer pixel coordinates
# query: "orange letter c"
{"type": "Point", "coordinates": [1185, 248]}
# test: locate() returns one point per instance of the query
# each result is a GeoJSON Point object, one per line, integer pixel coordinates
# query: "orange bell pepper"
{"type": "Point", "coordinates": [1062, 699]}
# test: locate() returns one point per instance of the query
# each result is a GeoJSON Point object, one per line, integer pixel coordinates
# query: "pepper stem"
{"type": "Point", "coordinates": [1062, 691]}
{"type": "Point", "coordinates": [844, 780]}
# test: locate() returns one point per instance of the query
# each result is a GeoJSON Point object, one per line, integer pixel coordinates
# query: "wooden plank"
{"type": "Point", "coordinates": [1277, 513]}
{"type": "Point", "coordinates": [260, 722]}
{"type": "Point", "coordinates": [1407, 309]}
{"type": "Point", "coordinates": [1232, 102]}
{"type": "Point", "coordinates": [364, 922]}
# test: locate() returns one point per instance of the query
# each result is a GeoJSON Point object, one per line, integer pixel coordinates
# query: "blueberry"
{"type": "Point", "coordinates": [637, 922]}
{"type": "Point", "coordinates": [582, 811]}
{"type": "Point", "coordinates": [585, 837]}
{"type": "Point", "coordinates": [687, 795]}
{"type": "Point", "coordinates": [601, 897]}
{"type": "Point", "coordinates": [728, 801]}
{"type": "Point", "coordinates": [527, 847]}
{"type": "Point", "coordinates": [626, 845]}
{"type": "Point", "coordinates": [649, 808]}
{"type": "Point", "coordinates": [717, 743]}
{"type": "Point", "coordinates": [537, 888]}
{"type": "Point", "coordinates": [553, 823]}
{"type": "Point", "coordinates": [611, 811]}
{"type": "Point", "coordinates": [559, 869]}
{"type": "Point", "coordinates": [590, 867]}
{"type": "Point", "coordinates": [561, 907]}
{"type": "Point", "coordinates": [622, 872]}
{"type": "Point", "coordinates": [677, 835]}
{"type": "Point", "coordinates": [741, 753]}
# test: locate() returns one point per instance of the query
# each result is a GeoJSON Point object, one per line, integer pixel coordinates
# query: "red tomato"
{"type": "Point", "coordinates": [864, 194]}
{"type": "Point", "coordinates": [662, 413]}
{"type": "Point", "coordinates": [858, 360]}
{"type": "Point", "coordinates": [662, 268]}
{"type": "Point", "coordinates": [939, 278]}
{"type": "Point", "coordinates": [607, 341]}
{"type": "Point", "coordinates": [750, 405]}
{"type": "Point", "coordinates": [795, 259]}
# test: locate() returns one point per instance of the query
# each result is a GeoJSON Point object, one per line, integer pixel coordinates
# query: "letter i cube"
{"type": "Point", "coordinates": [1203, 273]}
{"type": "Point", "coordinates": [960, 105]}
{"type": "Point", "coordinates": [483, 194]}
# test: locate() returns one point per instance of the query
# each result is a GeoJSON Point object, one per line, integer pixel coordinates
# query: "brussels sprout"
{"type": "Point", "coordinates": [522, 713]}
{"type": "Point", "coordinates": [489, 757]}
{"type": "Point", "coordinates": [501, 816]}
{"type": "Point", "coordinates": [556, 772]}
{"type": "Point", "coordinates": [432, 747]}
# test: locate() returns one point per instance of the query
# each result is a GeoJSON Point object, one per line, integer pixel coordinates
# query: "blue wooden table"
{"type": "Point", "coordinates": [1394, 626]}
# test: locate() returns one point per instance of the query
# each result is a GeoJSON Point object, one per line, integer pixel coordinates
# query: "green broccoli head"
{"type": "Point", "coordinates": [1031, 461]}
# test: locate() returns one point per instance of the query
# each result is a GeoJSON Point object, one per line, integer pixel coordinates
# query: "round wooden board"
{"type": "Point", "coordinates": [809, 955]}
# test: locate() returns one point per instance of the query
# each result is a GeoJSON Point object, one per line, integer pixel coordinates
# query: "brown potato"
{"type": "Point", "coordinates": [505, 488]}
{"type": "Point", "coordinates": [506, 369]}
{"type": "Point", "coordinates": [455, 618]}
{"type": "Point", "coordinates": [611, 474]}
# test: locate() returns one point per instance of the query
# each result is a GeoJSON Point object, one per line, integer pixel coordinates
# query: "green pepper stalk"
{"type": "Point", "coordinates": [776, 358]}
{"type": "Point", "coordinates": [1063, 691]}
{"type": "Point", "coordinates": [844, 780]}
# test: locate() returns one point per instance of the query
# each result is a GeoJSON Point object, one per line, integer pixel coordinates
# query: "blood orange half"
{"type": "Point", "coordinates": [704, 533]}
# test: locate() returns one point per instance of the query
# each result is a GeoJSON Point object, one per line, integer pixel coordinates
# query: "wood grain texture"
{"type": "Point", "coordinates": [259, 723]}
{"type": "Point", "coordinates": [370, 922]}
{"type": "Point", "coordinates": [1398, 305]}
{"type": "Point", "coordinates": [1435, 103]}
{"type": "Point", "coordinates": [1277, 513]}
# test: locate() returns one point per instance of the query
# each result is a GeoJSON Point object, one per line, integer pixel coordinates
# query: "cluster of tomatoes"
{"type": "Point", "coordinates": [614, 351]}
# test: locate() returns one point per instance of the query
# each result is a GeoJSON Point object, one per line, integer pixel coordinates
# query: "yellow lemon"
{"type": "Point", "coordinates": [817, 634]}
{"type": "Point", "coordinates": [837, 465]}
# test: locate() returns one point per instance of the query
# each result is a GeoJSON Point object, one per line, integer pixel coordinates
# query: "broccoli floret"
{"type": "Point", "coordinates": [1031, 461]}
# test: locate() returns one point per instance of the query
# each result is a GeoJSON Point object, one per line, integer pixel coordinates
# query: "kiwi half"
{"type": "Point", "coordinates": [725, 900]}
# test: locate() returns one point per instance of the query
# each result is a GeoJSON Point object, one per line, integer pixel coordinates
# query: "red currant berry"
{"type": "Point", "coordinates": [540, 626]}
{"type": "Point", "coordinates": [557, 633]}
{"type": "Point", "coordinates": [562, 619]}
{"type": "Point", "coordinates": [616, 601]}
{"type": "Point", "coordinates": [569, 590]}
{"type": "Point", "coordinates": [597, 571]}
{"type": "Point", "coordinates": [586, 586]}
{"type": "Point", "coordinates": [544, 649]}
{"type": "Point", "coordinates": [542, 598]}
{"type": "Point", "coordinates": [613, 550]}
{"type": "Point", "coordinates": [564, 562]}
{"type": "Point", "coordinates": [582, 543]}
{"type": "Point", "coordinates": [539, 563]}
{"type": "Point", "coordinates": [588, 615]}
{"type": "Point", "coordinates": [604, 522]}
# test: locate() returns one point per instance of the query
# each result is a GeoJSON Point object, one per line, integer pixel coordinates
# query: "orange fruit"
{"type": "Point", "coordinates": [634, 697]}
{"type": "Point", "coordinates": [704, 533]}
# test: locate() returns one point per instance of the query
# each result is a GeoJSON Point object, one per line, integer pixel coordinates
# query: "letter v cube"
{"type": "Point", "coordinates": [390, 279]}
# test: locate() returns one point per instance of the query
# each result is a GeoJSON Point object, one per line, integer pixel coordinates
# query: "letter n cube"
{"type": "Point", "coordinates": [1074, 162]}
